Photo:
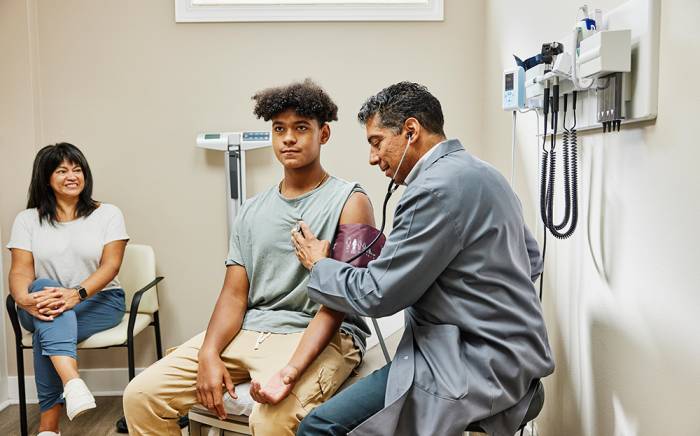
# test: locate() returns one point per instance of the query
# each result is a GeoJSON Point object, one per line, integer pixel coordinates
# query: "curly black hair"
{"type": "Point", "coordinates": [403, 100]}
{"type": "Point", "coordinates": [306, 98]}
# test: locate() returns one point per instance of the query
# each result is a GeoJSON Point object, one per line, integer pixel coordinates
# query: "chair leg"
{"type": "Point", "coordinates": [130, 348]}
{"type": "Point", "coordinates": [22, 390]}
{"type": "Point", "coordinates": [156, 327]}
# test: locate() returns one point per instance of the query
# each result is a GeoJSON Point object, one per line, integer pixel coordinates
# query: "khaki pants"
{"type": "Point", "coordinates": [166, 390]}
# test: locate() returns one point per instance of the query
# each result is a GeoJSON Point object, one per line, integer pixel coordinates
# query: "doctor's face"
{"type": "Point", "coordinates": [386, 149]}
{"type": "Point", "coordinates": [297, 140]}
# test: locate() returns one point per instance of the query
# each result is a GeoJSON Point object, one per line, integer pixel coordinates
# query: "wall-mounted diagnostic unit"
{"type": "Point", "coordinates": [514, 89]}
{"type": "Point", "coordinates": [234, 145]}
{"type": "Point", "coordinates": [610, 59]}
{"type": "Point", "coordinates": [599, 77]}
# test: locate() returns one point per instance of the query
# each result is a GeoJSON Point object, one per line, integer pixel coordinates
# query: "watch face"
{"type": "Point", "coordinates": [82, 292]}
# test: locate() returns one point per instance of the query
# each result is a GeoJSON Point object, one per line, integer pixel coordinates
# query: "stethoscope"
{"type": "Point", "coordinates": [393, 186]}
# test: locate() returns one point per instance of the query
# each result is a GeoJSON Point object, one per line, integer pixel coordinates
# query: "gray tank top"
{"type": "Point", "coordinates": [261, 242]}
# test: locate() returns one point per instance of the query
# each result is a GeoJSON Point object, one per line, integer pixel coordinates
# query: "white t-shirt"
{"type": "Point", "coordinates": [68, 252]}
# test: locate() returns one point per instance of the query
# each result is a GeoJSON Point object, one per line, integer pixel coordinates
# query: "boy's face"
{"type": "Point", "coordinates": [297, 140]}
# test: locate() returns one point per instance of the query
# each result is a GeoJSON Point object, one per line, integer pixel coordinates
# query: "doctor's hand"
{"type": "Point", "coordinates": [308, 248]}
{"type": "Point", "coordinates": [277, 388]}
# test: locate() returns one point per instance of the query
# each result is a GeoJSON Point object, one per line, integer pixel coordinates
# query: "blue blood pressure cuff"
{"type": "Point", "coordinates": [352, 239]}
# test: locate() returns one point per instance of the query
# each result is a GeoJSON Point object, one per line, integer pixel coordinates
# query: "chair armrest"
{"type": "Point", "coordinates": [14, 319]}
{"type": "Point", "coordinates": [135, 302]}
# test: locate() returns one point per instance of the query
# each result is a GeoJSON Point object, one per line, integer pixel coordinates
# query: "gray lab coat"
{"type": "Point", "coordinates": [462, 262]}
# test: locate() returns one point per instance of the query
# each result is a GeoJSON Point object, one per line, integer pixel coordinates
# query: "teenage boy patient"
{"type": "Point", "coordinates": [264, 327]}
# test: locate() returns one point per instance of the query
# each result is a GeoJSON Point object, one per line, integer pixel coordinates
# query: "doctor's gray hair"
{"type": "Point", "coordinates": [396, 103]}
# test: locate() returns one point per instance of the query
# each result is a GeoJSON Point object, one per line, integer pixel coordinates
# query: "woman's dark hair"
{"type": "Point", "coordinates": [396, 103]}
{"type": "Point", "coordinates": [41, 195]}
{"type": "Point", "coordinates": [306, 98]}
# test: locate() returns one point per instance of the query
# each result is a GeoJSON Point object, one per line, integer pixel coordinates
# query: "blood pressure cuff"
{"type": "Point", "coordinates": [352, 239]}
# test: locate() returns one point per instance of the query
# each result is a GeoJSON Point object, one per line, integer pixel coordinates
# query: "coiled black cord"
{"type": "Point", "coordinates": [548, 176]}
{"type": "Point", "coordinates": [567, 181]}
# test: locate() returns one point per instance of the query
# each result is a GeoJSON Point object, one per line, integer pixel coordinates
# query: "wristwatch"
{"type": "Point", "coordinates": [82, 292]}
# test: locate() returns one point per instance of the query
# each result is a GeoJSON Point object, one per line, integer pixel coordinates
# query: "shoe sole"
{"type": "Point", "coordinates": [88, 407]}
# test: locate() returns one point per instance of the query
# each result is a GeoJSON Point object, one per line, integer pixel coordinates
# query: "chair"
{"type": "Point", "coordinates": [533, 410]}
{"type": "Point", "coordinates": [138, 279]}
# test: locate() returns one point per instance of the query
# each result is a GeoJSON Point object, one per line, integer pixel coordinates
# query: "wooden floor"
{"type": "Point", "coordinates": [100, 421]}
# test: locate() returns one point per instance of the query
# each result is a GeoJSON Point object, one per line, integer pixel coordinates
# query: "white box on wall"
{"type": "Point", "coordinates": [605, 52]}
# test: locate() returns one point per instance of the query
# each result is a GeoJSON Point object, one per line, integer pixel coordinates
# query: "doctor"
{"type": "Point", "coordinates": [461, 262]}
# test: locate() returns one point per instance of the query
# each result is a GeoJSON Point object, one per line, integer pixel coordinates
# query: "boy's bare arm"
{"type": "Point", "coordinates": [321, 329]}
{"type": "Point", "coordinates": [224, 325]}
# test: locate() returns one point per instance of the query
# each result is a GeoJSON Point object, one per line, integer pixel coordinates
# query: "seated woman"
{"type": "Point", "coordinates": [66, 252]}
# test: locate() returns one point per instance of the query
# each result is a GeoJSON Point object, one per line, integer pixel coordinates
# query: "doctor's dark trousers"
{"type": "Point", "coordinates": [349, 408]}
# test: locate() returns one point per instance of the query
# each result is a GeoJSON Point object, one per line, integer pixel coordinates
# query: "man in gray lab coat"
{"type": "Point", "coordinates": [461, 262]}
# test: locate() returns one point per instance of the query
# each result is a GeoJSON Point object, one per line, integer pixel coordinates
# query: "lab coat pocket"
{"type": "Point", "coordinates": [441, 361]}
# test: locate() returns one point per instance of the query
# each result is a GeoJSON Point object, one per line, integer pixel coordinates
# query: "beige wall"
{"type": "Point", "coordinates": [628, 360]}
{"type": "Point", "coordinates": [18, 121]}
{"type": "Point", "coordinates": [132, 89]}
{"type": "Point", "coordinates": [4, 392]}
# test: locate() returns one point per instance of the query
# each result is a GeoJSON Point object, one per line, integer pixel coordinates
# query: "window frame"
{"type": "Point", "coordinates": [308, 10]}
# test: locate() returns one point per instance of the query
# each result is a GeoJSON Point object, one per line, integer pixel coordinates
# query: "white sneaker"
{"type": "Point", "coordinates": [48, 433]}
{"type": "Point", "coordinates": [78, 398]}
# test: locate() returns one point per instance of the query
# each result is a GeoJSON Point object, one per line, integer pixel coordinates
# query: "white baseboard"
{"type": "Point", "coordinates": [103, 382]}
{"type": "Point", "coordinates": [4, 404]}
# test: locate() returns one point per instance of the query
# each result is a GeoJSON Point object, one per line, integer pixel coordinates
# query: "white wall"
{"type": "Point", "coordinates": [627, 350]}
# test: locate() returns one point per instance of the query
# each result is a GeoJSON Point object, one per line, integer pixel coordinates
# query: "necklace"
{"type": "Point", "coordinates": [323, 179]}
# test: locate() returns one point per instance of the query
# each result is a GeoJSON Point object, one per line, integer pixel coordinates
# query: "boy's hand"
{"type": "Point", "coordinates": [212, 378]}
{"type": "Point", "coordinates": [277, 388]}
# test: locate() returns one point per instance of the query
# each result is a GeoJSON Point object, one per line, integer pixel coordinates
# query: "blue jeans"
{"type": "Point", "coordinates": [348, 409]}
{"type": "Point", "coordinates": [60, 337]}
